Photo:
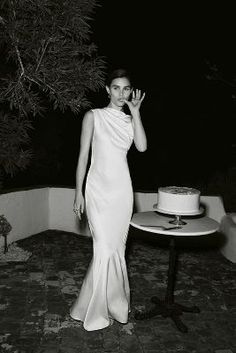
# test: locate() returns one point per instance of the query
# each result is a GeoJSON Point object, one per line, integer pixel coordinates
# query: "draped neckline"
{"type": "Point", "coordinates": [118, 113]}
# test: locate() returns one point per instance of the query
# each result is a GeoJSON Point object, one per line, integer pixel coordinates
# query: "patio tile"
{"type": "Point", "coordinates": [35, 297]}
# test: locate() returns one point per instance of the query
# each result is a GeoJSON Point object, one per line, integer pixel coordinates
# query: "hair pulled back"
{"type": "Point", "coordinates": [118, 73]}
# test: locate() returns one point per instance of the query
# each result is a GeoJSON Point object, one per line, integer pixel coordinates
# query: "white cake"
{"type": "Point", "coordinates": [182, 200]}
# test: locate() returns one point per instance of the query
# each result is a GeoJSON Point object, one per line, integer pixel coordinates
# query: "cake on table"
{"type": "Point", "coordinates": [178, 199]}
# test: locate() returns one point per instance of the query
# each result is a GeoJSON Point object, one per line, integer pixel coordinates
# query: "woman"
{"type": "Point", "coordinates": [105, 294]}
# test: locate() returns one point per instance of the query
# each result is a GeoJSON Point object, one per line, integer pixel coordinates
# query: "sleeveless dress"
{"type": "Point", "coordinates": [105, 290]}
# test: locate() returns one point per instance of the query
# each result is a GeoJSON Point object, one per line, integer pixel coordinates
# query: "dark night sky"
{"type": "Point", "coordinates": [188, 119]}
{"type": "Point", "coordinates": [166, 46]}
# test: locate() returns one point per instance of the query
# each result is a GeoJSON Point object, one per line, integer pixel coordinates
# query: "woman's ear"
{"type": "Point", "coordinates": [108, 90]}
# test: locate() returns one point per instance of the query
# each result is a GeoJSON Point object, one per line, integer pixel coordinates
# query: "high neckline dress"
{"type": "Point", "coordinates": [105, 290]}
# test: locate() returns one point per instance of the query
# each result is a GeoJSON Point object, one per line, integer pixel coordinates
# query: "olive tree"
{"type": "Point", "coordinates": [48, 62]}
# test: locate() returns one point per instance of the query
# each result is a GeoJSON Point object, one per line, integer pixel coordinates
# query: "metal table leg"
{"type": "Point", "coordinates": [167, 307]}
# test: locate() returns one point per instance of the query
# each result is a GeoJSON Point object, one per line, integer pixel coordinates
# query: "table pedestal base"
{"type": "Point", "coordinates": [177, 221]}
{"type": "Point", "coordinates": [168, 307]}
{"type": "Point", "coordinates": [172, 310]}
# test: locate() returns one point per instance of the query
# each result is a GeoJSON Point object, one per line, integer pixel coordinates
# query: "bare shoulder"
{"type": "Point", "coordinates": [88, 119]}
{"type": "Point", "coordinates": [88, 115]}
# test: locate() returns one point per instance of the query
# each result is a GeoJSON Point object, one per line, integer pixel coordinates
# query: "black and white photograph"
{"type": "Point", "coordinates": [117, 177]}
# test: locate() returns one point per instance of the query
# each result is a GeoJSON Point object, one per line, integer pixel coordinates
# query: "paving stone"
{"type": "Point", "coordinates": [130, 344]}
{"type": "Point", "coordinates": [111, 342]}
{"type": "Point", "coordinates": [73, 341]}
{"type": "Point", "coordinates": [50, 340]}
{"type": "Point", "coordinates": [67, 349]}
{"type": "Point", "coordinates": [94, 343]}
{"type": "Point", "coordinates": [35, 298]}
{"type": "Point", "coordinates": [47, 350]}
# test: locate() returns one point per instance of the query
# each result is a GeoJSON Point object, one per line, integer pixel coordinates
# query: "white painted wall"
{"type": "Point", "coordinates": [144, 201]}
{"type": "Point", "coordinates": [61, 215]}
{"type": "Point", "coordinates": [26, 211]}
{"type": "Point", "coordinates": [214, 207]}
{"type": "Point", "coordinates": [36, 210]}
{"type": "Point", "coordinates": [33, 211]}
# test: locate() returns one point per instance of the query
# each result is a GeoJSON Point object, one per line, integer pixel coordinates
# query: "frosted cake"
{"type": "Point", "coordinates": [178, 199]}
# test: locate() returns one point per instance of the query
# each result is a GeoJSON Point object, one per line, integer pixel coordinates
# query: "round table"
{"type": "Point", "coordinates": [154, 222]}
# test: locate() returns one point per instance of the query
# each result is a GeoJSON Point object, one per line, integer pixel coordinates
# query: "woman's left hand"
{"type": "Point", "coordinates": [136, 100]}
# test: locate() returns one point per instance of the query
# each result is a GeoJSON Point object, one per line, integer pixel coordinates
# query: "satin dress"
{"type": "Point", "coordinates": [105, 290]}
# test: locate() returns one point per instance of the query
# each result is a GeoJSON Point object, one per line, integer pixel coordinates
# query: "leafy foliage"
{"type": "Point", "coordinates": [52, 64]}
{"type": "Point", "coordinates": [13, 138]}
{"type": "Point", "coordinates": [49, 44]}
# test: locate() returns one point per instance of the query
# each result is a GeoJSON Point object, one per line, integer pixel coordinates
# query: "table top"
{"type": "Point", "coordinates": [149, 221]}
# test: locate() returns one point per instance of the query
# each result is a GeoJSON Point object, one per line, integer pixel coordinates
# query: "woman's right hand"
{"type": "Point", "coordinates": [78, 207]}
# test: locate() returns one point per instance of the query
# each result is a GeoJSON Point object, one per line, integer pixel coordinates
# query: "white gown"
{"type": "Point", "coordinates": [109, 204]}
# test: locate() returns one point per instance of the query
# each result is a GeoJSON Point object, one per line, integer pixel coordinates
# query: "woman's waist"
{"type": "Point", "coordinates": [109, 166]}
{"type": "Point", "coordinates": [110, 175]}
{"type": "Point", "coordinates": [106, 157]}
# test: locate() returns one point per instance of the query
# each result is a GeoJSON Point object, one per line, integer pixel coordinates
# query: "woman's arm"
{"type": "Point", "coordinates": [85, 143]}
{"type": "Point", "coordinates": [140, 139]}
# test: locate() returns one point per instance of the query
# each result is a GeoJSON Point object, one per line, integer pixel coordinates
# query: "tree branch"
{"type": "Point", "coordinates": [20, 61]}
{"type": "Point", "coordinates": [44, 50]}
{"type": "Point", "coordinates": [40, 83]}
{"type": "Point", "coordinates": [15, 42]}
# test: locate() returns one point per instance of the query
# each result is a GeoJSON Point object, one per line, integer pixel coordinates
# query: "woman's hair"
{"type": "Point", "coordinates": [118, 73]}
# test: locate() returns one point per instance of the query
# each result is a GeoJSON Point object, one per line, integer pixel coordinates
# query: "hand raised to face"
{"type": "Point", "coordinates": [136, 100]}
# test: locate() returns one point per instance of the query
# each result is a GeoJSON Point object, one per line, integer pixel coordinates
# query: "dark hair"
{"type": "Point", "coordinates": [118, 73]}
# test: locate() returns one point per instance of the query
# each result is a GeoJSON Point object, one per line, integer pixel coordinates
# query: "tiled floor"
{"type": "Point", "coordinates": [35, 297]}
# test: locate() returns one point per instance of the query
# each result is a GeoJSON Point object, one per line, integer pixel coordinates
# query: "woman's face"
{"type": "Point", "coordinates": [119, 91]}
